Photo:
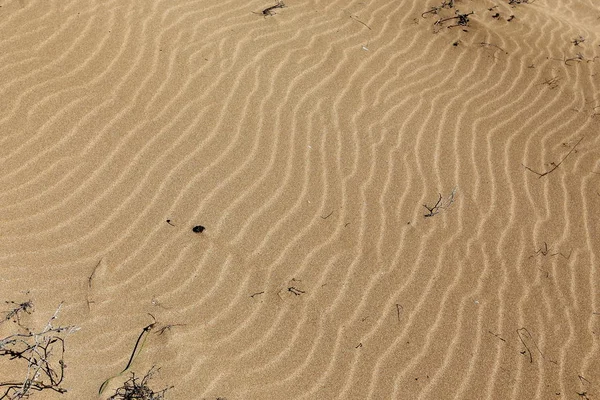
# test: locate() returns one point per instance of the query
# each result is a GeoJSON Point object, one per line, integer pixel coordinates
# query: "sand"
{"type": "Point", "coordinates": [307, 144]}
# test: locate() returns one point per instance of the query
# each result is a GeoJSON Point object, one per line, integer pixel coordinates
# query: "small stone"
{"type": "Point", "coordinates": [198, 229]}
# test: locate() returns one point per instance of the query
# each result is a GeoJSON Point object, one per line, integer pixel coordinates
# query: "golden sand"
{"type": "Point", "coordinates": [306, 143]}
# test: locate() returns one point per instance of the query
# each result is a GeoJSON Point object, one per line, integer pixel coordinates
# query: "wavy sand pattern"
{"type": "Point", "coordinates": [307, 142]}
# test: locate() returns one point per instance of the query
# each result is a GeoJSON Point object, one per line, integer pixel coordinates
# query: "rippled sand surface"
{"type": "Point", "coordinates": [307, 144]}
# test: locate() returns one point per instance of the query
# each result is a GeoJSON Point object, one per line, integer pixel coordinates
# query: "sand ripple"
{"type": "Point", "coordinates": [306, 143]}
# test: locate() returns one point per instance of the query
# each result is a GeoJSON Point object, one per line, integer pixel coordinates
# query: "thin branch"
{"type": "Point", "coordinates": [463, 19]}
{"type": "Point", "coordinates": [93, 272]}
{"type": "Point", "coordinates": [579, 57]}
{"type": "Point", "coordinates": [540, 174]}
{"type": "Point", "coordinates": [358, 20]}
{"type": "Point", "coordinates": [439, 205]}
{"type": "Point", "coordinates": [435, 10]}
{"type": "Point", "coordinates": [45, 369]}
{"type": "Point", "coordinates": [520, 332]}
{"type": "Point", "coordinates": [327, 216]}
{"type": "Point", "coordinates": [493, 45]}
{"type": "Point", "coordinates": [435, 209]}
{"type": "Point", "coordinates": [134, 388]}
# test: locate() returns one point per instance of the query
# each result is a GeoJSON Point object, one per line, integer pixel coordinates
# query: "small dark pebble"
{"type": "Point", "coordinates": [198, 229]}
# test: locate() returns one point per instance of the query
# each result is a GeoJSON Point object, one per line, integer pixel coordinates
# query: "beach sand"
{"type": "Point", "coordinates": [307, 143]}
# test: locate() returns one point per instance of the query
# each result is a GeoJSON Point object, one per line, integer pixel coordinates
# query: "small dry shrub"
{"type": "Point", "coordinates": [35, 357]}
{"type": "Point", "coordinates": [135, 388]}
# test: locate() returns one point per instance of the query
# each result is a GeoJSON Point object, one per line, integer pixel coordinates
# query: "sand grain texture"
{"type": "Point", "coordinates": [307, 143]}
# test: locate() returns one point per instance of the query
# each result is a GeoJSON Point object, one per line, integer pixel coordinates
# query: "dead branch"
{"type": "Point", "coordinates": [493, 45]}
{"type": "Point", "coordinates": [463, 19]}
{"type": "Point", "coordinates": [269, 10]}
{"type": "Point", "coordinates": [14, 314]}
{"type": "Point", "coordinates": [579, 57]}
{"type": "Point", "coordinates": [136, 389]}
{"type": "Point", "coordinates": [435, 10]}
{"type": "Point", "coordinates": [439, 205]}
{"type": "Point", "coordinates": [43, 354]}
{"type": "Point", "coordinates": [540, 174]}
{"type": "Point", "coordinates": [435, 209]}
{"type": "Point", "coordinates": [521, 2]}
{"type": "Point", "coordinates": [578, 40]}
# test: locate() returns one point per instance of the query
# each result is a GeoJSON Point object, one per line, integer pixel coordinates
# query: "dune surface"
{"type": "Point", "coordinates": [400, 198]}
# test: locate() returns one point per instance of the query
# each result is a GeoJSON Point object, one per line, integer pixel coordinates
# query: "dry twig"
{"type": "Point", "coordinates": [18, 308]}
{"type": "Point", "coordinates": [439, 205]}
{"type": "Point", "coordinates": [269, 10]}
{"type": "Point", "coordinates": [435, 10]}
{"type": "Point", "coordinates": [43, 353]}
{"type": "Point", "coordinates": [136, 389]}
{"type": "Point", "coordinates": [555, 166]}
{"type": "Point", "coordinates": [463, 19]}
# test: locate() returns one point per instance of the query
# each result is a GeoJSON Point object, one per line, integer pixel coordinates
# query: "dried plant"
{"type": "Point", "coordinates": [138, 389]}
{"type": "Point", "coordinates": [436, 9]}
{"type": "Point", "coordinates": [440, 204]}
{"type": "Point", "coordinates": [18, 308]}
{"type": "Point", "coordinates": [39, 355]}
{"type": "Point", "coordinates": [462, 19]}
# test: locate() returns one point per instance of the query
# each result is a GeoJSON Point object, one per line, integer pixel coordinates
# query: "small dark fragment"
{"type": "Point", "coordinates": [198, 229]}
{"type": "Point", "coordinates": [497, 15]}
